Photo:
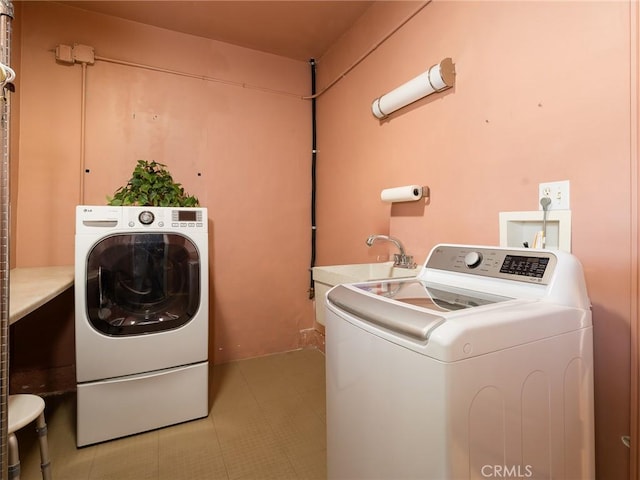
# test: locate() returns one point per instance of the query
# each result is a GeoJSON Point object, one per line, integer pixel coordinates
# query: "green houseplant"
{"type": "Point", "coordinates": [152, 185]}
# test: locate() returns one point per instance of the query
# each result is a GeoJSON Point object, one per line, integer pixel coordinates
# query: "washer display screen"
{"type": "Point", "coordinates": [186, 216]}
{"type": "Point", "coordinates": [523, 265]}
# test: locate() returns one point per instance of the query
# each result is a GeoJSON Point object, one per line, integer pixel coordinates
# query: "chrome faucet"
{"type": "Point", "coordinates": [401, 259]}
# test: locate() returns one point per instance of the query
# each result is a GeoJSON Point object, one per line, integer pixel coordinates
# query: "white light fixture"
{"type": "Point", "coordinates": [439, 77]}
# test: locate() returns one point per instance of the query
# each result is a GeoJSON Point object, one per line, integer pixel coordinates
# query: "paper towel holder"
{"type": "Point", "coordinates": [424, 192]}
{"type": "Point", "coordinates": [408, 193]}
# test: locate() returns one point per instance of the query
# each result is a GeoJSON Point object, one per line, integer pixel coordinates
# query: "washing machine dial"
{"type": "Point", "coordinates": [473, 259]}
{"type": "Point", "coordinates": [146, 217]}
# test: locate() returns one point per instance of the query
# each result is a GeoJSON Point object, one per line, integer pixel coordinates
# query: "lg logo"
{"type": "Point", "coordinates": [506, 471]}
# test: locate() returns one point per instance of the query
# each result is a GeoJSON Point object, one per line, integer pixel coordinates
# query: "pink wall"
{"type": "Point", "coordinates": [542, 94]}
{"type": "Point", "coordinates": [244, 152]}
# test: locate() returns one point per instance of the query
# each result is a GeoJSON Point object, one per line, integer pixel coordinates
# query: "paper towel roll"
{"type": "Point", "coordinates": [408, 193]}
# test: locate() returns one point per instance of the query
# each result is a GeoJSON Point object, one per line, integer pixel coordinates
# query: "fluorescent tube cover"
{"type": "Point", "coordinates": [439, 77]}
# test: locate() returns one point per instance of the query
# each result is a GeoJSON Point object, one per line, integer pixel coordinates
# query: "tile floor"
{"type": "Point", "coordinates": [267, 420]}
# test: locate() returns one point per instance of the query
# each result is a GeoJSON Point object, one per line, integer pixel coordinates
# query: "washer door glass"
{"type": "Point", "coordinates": [142, 283]}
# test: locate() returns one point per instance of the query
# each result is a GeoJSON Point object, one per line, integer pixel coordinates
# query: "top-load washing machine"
{"type": "Point", "coordinates": [479, 367]}
{"type": "Point", "coordinates": [142, 319]}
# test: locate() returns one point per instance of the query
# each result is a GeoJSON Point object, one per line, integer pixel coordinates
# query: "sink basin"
{"type": "Point", "coordinates": [360, 272]}
{"type": "Point", "coordinates": [324, 278]}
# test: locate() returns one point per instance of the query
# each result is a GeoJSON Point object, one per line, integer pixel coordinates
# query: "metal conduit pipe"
{"type": "Point", "coordinates": [314, 152]}
{"type": "Point", "coordinates": [194, 75]}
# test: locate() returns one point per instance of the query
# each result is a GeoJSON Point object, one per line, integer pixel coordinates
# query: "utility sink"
{"type": "Point", "coordinates": [324, 278]}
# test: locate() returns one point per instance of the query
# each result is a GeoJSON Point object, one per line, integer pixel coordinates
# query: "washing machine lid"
{"type": "Point", "coordinates": [411, 307]}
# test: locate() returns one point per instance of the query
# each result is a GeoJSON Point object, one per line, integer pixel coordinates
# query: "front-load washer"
{"type": "Point", "coordinates": [141, 319]}
{"type": "Point", "coordinates": [479, 367]}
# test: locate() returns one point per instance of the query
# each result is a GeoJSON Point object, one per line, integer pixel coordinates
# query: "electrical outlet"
{"type": "Point", "coordinates": [558, 193]}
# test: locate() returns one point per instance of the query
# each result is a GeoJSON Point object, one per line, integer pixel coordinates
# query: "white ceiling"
{"type": "Point", "coordinates": [301, 29]}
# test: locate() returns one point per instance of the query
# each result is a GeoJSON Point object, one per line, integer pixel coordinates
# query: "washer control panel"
{"type": "Point", "coordinates": [533, 266]}
{"type": "Point", "coordinates": [93, 218]}
{"type": "Point", "coordinates": [168, 218]}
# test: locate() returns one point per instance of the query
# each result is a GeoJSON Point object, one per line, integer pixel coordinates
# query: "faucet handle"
{"type": "Point", "coordinates": [403, 261]}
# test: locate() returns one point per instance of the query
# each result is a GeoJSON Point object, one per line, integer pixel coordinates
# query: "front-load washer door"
{"type": "Point", "coordinates": [142, 283]}
{"type": "Point", "coordinates": [141, 303]}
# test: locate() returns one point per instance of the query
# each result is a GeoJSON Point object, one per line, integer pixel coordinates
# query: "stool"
{"type": "Point", "coordinates": [24, 409]}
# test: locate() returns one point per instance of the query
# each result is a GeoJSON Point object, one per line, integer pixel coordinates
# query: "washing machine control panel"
{"type": "Point", "coordinates": [166, 218]}
{"type": "Point", "coordinates": [532, 266]}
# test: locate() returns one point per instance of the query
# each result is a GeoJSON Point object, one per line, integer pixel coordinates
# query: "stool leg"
{"type": "Point", "coordinates": [14, 458]}
{"type": "Point", "coordinates": [45, 464]}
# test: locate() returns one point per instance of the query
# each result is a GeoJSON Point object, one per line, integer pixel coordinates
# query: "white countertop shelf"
{"type": "Point", "coordinates": [32, 287]}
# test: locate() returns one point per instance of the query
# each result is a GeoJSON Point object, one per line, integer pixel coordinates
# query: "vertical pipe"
{"type": "Point", "coordinates": [6, 14]}
{"type": "Point", "coordinates": [312, 62]}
